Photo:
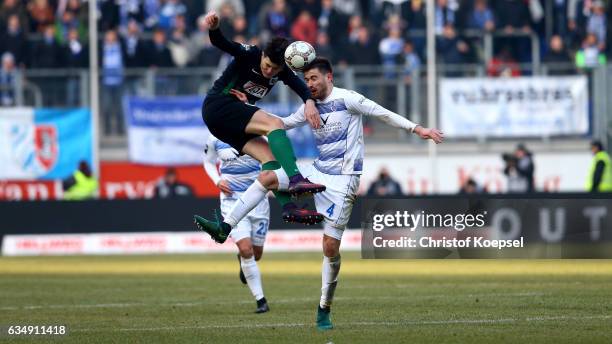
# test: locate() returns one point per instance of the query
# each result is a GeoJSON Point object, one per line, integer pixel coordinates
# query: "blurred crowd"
{"type": "Point", "coordinates": [171, 33]}
{"type": "Point", "coordinates": [49, 34]}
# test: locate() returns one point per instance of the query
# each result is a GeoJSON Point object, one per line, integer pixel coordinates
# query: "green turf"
{"type": "Point", "coordinates": [199, 299]}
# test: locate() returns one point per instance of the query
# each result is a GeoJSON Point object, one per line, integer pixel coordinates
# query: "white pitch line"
{"type": "Point", "coordinates": [350, 324]}
{"type": "Point", "coordinates": [225, 301]}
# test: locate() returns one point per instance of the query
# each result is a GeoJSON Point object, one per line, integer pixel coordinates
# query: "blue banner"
{"type": "Point", "coordinates": [70, 132]}
{"type": "Point", "coordinates": [43, 143]}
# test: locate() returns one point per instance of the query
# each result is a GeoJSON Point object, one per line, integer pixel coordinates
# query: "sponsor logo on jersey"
{"type": "Point", "coordinates": [254, 89]}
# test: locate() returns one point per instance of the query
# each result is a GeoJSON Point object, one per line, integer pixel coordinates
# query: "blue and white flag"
{"type": "Point", "coordinates": [43, 143]}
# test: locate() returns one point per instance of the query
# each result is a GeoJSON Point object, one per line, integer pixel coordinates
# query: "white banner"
{"type": "Point", "coordinates": [165, 130]}
{"type": "Point", "coordinates": [514, 107]}
{"type": "Point", "coordinates": [161, 243]}
{"type": "Point", "coordinates": [554, 172]}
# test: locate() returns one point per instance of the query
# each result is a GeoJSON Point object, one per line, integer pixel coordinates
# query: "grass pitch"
{"type": "Point", "coordinates": [199, 299]}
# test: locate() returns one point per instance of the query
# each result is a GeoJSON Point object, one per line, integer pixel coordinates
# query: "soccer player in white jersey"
{"type": "Point", "coordinates": [339, 138]}
{"type": "Point", "coordinates": [238, 172]}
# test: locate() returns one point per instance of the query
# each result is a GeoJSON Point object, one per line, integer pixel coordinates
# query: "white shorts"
{"type": "Point", "coordinates": [336, 202]}
{"type": "Point", "coordinates": [254, 225]}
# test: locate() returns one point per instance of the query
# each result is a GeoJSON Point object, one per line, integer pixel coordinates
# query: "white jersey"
{"type": "Point", "coordinates": [340, 137]}
{"type": "Point", "coordinates": [240, 171]}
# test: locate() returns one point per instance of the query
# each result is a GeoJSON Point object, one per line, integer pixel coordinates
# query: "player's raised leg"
{"type": "Point", "coordinates": [263, 123]}
{"type": "Point", "coordinates": [272, 177]}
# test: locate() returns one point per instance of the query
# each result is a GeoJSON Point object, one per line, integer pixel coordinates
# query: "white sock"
{"type": "Point", "coordinates": [247, 202]}
{"type": "Point", "coordinates": [329, 279]}
{"type": "Point", "coordinates": [252, 275]}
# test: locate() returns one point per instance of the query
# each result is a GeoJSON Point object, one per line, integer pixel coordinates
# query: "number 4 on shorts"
{"type": "Point", "coordinates": [330, 210]}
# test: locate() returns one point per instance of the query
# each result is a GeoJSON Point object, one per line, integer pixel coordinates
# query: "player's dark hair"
{"type": "Point", "coordinates": [320, 63]}
{"type": "Point", "coordinates": [275, 50]}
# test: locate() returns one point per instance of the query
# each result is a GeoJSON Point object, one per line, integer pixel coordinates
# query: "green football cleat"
{"type": "Point", "coordinates": [323, 319]}
{"type": "Point", "coordinates": [217, 229]}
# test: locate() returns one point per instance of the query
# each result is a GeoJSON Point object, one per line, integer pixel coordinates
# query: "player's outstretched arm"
{"type": "Point", "coordinates": [216, 37]}
{"type": "Point", "coordinates": [360, 104]}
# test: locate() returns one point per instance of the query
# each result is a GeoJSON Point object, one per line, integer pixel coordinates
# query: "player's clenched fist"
{"type": "Point", "coordinates": [212, 20]}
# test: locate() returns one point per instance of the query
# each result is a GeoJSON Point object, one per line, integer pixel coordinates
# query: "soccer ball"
{"type": "Point", "coordinates": [299, 54]}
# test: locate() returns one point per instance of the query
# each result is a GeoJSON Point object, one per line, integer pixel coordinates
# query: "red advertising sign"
{"type": "Point", "coordinates": [119, 180]}
{"type": "Point", "coordinates": [126, 180]}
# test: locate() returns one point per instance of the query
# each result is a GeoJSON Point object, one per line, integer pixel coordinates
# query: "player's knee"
{"type": "Point", "coordinates": [275, 123]}
{"type": "Point", "coordinates": [246, 252]}
{"type": "Point", "coordinates": [331, 246]}
{"type": "Point", "coordinates": [267, 179]}
{"type": "Point", "coordinates": [245, 249]}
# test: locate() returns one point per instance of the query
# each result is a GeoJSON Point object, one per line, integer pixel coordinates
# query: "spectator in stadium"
{"type": "Point", "coordinates": [600, 173]}
{"type": "Point", "coordinates": [385, 185]}
{"type": "Point", "coordinates": [332, 22]}
{"type": "Point", "coordinates": [519, 170]}
{"type": "Point", "coordinates": [7, 80]}
{"type": "Point", "coordinates": [75, 55]}
{"type": "Point", "coordinates": [274, 19]}
{"type": "Point", "coordinates": [81, 185]}
{"type": "Point", "coordinates": [356, 23]}
{"type": "Point", "coordinates": [504, 64]}
{"type": "Point", "coordinates": [109, 15]}
{"type": "Point", "coordinates": [46, 52]}
{"type": "Point", "coordinates": [134, 47]}
{"type": "Point", "coordinates": [78, 10]}
{"type": "Point", "coordinates": [481, 17]}
{"type": "Point", "coordinates": [557, 56]}
{"type": "Point", "coordinates": [130, 10]}
{"type": "Point", "coordinates": [312, 6]}
{"type": "Point", "coordinates": [412, 61]}
{"type": "Point", "coordinates": [179, 43]}
{"type": "Point", "coordinates": [453, 49]}
{"type": "Point", "coordinates": [512, 15]}
{"type": "Point", "coordinates": [41, 15]}
{"type": "Point", "coordinates": [168, 12]}
{"type": "Point", "coordinates": [390, 49]}
{"type": "Point", "coordinates": [323, 48]}
{"type": "Point", "coordinates": [559, 18]}
{"type": "Point", "coordinates": [417, 23]}
{"type": "Point", "coordinates": [348, 7]}
{"type": "Point", "coordinates": [227, 15]}
{"type": "Point", "coordinates": [64, 24]}
{"type": "Point", "coordinates": [470, 187]}
{"type": "Point", "coordinates": [14, 7]}
{"type": "Point", "coordinates": [240, 26]}
{"type": "Point", "coordinates": [589, 56]}
{"type": "Point", "coordinates": [365, 50]}
{"type": "Point", "coordinates": [207, 55]}
{"type": "Point", "coordinates": [304, 28]}
{"type": "Point", "coordinates": [169, 187]}
{"type": "Point", "coordinates": [112, 82]}
{"type": "Point", "coordinates": [15, 42]}
{"type": "Point", "coordinates": [238, 6]}
{"type": "Point", "coordinates": [159, 54]}
{"type": "Point", "coordinates": [445, 15]}
{"type": "Point", "coordinates": [596, 23]}
{"type": "Point", "coordinates": [557, 52]}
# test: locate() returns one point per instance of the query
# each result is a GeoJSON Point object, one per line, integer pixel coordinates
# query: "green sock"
{"type": "Point", "coordinates": [282, 197]}
{"type": "Point", "coordinates": [283, 151]}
